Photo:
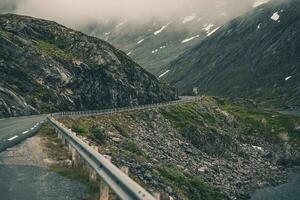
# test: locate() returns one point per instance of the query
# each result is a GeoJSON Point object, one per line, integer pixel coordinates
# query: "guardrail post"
{"type": "Point", "coordinates": [70, 150]}
{"type": "Point", "coordinates": [104, 188]}
{"type": "Point", "coordinates": [63, 140]}
{"type": "Point", "coordinates": [76, 158]}
{"type": "Point", "coordinates": [92, 173]}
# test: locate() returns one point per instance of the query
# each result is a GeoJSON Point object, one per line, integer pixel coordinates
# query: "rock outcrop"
{"type": "Point", "coordinates": [46, 67]}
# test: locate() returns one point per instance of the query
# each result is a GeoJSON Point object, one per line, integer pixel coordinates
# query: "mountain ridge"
{"type": "Point", "coordinates": [253, 56]}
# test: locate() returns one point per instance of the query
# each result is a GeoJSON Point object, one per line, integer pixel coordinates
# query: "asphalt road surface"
{"type": "Point", "coordinates": [25, 174]}
{"type": "Point", "coordinates": [14, 130]}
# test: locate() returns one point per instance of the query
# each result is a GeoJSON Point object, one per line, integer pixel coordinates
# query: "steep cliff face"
{"type": "Point", "coordinates": [45, 67]}
{"type": "Point", "coordinates": [253, 56]}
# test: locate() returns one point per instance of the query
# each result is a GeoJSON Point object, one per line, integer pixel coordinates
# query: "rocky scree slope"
{"type": "Point", "coordinates": [211, 149]}
{"type": "Point", "coordinates": [254, 56]}
{"type": "Point", "coordinates": [46, 67]}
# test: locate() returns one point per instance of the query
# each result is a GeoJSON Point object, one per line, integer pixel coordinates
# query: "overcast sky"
{"type": "Point", "coordinates": [78, 12]}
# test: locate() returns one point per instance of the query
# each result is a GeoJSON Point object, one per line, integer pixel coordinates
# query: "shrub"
{"type": "Point", "coordinates": [80, 128]}
{"type": "Point", "coordinates": [99, 135]}
{"type": "Point", "coordinates": [186, 185]}
{"type": "Point", "coordinates": [121, 130]}
{"type": "Point", "coordinates": [132, 147]}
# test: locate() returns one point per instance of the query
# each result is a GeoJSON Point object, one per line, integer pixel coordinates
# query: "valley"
{"type": "Point", "coordinates": [150, 100]}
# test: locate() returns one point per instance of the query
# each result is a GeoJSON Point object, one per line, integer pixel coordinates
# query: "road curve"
{"type": "Point", "coordinates": [14, 130]}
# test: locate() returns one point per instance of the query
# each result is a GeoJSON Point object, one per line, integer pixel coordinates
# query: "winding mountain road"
{"type": "Point", "coordinates": [14, 130]}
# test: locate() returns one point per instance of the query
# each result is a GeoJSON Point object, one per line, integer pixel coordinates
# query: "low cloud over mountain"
{"type": "Point", "coordinates": [78, 12]}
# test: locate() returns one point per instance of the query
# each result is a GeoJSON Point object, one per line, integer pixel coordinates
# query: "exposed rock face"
{"type": "Point", "coordinates": [253, 56]}
{"type": "Point", "coordinates": [46, 67]}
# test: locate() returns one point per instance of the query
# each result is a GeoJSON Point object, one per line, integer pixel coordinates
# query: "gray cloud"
{"type": "Point", "coordinates": [80, 12]}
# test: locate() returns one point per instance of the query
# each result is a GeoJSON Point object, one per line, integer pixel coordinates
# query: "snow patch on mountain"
{"type": "Point", "coordinates": [189, 39]}
{"type": "Point", "coordinates": [259, 3]}
{"type": "Point", "coordinates": [189, 18]}
{"type": "Point", "coordinates": [213, 31]}
{"type": "Point", "coordinates": [287, 78]}
{"type": "Point", "coordinates": [160, 30]}
{"type": "Point", "coordinates": [120, 24]}
{"type": "Point", "coordinates": [207, 27]}
{"type": "Point", "coordinates": [155, 51]}
{"type": "Point", "coordinates": [258, 26]}
{"type": "Point", "coordinates": [275, 16]}
{"type": "Point", "coordinates": [163, 74]}
{"type": "Point", "coordinates": [140, 41]}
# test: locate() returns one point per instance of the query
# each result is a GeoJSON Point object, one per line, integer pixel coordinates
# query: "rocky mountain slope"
{"type": "Point", "coordinates": [255, 56]}
{"type": "Point", "coordinates": [210, 149]}
{"type": "Point", "coordinates": [156, 42]}
{"type": "Point", "coordinates": [46, 67]}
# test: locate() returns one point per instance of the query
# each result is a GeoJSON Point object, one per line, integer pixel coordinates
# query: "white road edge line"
{"type": "Point", "coordinates": [12, 138]}
{"type": "Point", "coordinates": [25, 132]}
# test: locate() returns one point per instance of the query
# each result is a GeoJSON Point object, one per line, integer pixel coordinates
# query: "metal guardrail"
{"type": "Point", "coordinates": [121, 184]}
{"type": "Point", "coordinates": [119, 110]}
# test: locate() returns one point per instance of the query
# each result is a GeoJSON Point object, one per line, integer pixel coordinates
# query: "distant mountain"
{"type": "Point", "coordinates": [254, 56]}
{"type": "Point", "coordinates": [155, 43]}
{"type": "Point", "coordinates": [46, 67]}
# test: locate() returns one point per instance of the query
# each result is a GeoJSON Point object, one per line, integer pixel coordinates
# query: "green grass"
{"type": "Point", "coordinates": [132, 148]}
{"type": "Point", "coordinates": [54, 51]}
{"type": "Point", "coordinates": [198, 127]}
{"type": "Point", "coordinates": [98, 135]}
{"type": "Point", "coordinates": [186, 185]}
{"type": "Point", "coordinates": [80, 128]}
{"type": "Point", "coordinates": [267, 124]}
{"type": "Point", "coordinates": [2, 32]}
{"type": "Point", "coordinates": [121, 130]}
{"type": "Point", "coordinates": [182, 116]}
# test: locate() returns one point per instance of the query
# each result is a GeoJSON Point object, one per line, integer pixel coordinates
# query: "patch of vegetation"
{"type": "Point", "coordinates": [56, 149]}
{"type": "Point", "coordinates": [80, 128]}
{"type": "Point", "coordinates": [132, 147]}
{"type": "Point", "coordinates": [263, 123]}
{"type": "Point", "coordinates": [98, 135]}
{"type": "Point", "coordinates": [2, 32]}
{"type": "Point", "coordinates": [54, 51]}
{"type": "Point", "coordinates": [186, 185]}
{"type": "Point", "coordinates": [182, 116]}
{"type": "Point", "coordinates": [198, 127]}
{"type": "Point", "coordinates": [121, 130]}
